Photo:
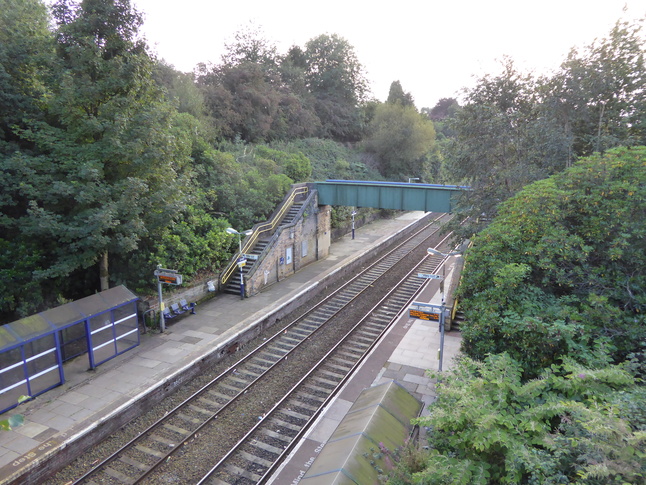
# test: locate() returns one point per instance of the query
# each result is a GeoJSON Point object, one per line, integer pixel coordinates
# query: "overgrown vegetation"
{"type": "Point", "coordinates": [554, 339]}
{"type": "Point", "coordinates": [112, 162]}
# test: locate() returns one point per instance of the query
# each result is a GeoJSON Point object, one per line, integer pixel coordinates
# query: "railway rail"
{"type": "Point", "coordinates": [252, 458]}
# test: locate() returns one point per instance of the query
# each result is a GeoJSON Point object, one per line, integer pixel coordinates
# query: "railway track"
{"type": "Point", "coordinates": [149, 456]}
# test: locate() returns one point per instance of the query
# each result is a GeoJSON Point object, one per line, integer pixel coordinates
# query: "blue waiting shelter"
{"type": "Point", "coordinates": [33, 349]}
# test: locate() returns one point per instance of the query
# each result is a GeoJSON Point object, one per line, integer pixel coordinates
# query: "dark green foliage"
{"type": "Point", "coordinates": [554, 296]}
{"type": "Point", "coordinates": [488, 426]}
{"type": "Point", "coordinates": [396, 95]}
{"type": "Point", "coordinates": [26, 57]}
{"type": "Point", "coordinates": [401, 139]}
{"type": "Point", "coordinates": [598, 96]}
{"type": "Point", "coordinates": [257, 96]}
{"type": "Point", "coordinates": [331, 160]}
{"type": "Point", "coordinates": [562, 267]}
{"type": "Point", "coordinates": [295, 165]}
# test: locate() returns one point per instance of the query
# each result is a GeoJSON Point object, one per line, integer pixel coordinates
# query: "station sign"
{"type": "Point", "coordinates": [425, 311]}
{"type": "Point", "coordinates": [168, 276]}
{"type": "Point", "coordinates": [423, 315]}
{"type": "Point", "coordinates": [251, 257]}
{"type": "Point", "coordinates": [429, 276]}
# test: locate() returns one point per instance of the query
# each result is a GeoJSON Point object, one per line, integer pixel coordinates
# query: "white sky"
{"type": "Point", "coordinates": [434, 48]}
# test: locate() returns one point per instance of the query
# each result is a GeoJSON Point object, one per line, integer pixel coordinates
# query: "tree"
{"type": "Point", "coordinates": [397, 95]}
{"type": "Point", "coordinates": [249, 46]}
{"type": "Point", "coordinates": [336, 79]}
{"type": "Point", "coordinates": [400, 138]}
{"type": "Point", "coordinates": [101, 147]}
{"type": "Point", "coordinates": [498, 144]}
{"type": "Point", "coordinates": [26, 59]}
{"type": "Point", "coordinates": [443, 109]}
{"type": "Point", "coordinates": [515, 129]}
{"type": "Point", "coordinates": [571, 425]}
{"type": "Point", "coordinates": [598, 96]}
{"type": "Point", "coordinates": [562, 268]}
{"type": "Point", "coordinates": [247, 98]}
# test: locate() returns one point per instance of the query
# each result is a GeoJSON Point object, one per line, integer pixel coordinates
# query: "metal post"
{"type": "Point", "coordinates": [442, 315]}
{"type": "Point", "coordinates": [441, 334]}
{"type": "Point", "coordinates": [162, 323]}
{"type": "Point", "coordinates": [240, 266]}
{"type": "Point", "coordinates": [354, 213]}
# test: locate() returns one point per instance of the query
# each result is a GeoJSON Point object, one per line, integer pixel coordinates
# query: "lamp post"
{"type": "Point", "coordinates": [410, 179]}
{"type": "Point", "coordinates": [231, 230]}
{"type": "Point", "coordinates": [354, 213]}
{"type": "Point", "coordinates": [442, 309]}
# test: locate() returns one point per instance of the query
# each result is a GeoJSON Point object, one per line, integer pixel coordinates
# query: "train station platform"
{"type": "Point", "coordinates": [64, 415]}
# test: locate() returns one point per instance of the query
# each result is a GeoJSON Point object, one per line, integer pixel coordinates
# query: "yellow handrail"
{"type": "Point", "coordinates": [259, 229]}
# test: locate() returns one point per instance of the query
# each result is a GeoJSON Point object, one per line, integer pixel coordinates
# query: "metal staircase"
{"type": "Point", "coordinates": [255, 244]}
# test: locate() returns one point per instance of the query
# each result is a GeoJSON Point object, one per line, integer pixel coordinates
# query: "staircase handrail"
{"type": "Point", "coordinates": [277, 234]}
{"type": "Point", "coordinates": [262, 228]}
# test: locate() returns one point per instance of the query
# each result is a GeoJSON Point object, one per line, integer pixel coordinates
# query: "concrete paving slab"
{"type": "Point", "coordinates": [31, 430]}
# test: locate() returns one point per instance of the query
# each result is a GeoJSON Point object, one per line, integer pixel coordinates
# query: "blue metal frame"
{"type": "Point", "coordinates": [31, 331]}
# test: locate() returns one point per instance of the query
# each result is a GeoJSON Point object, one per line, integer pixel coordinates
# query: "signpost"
{"type": "Point", "coordinates": [170, 277]}
{"type": "Point", "coordinates": [425, 311]}
{"type": "Point", "coordinates": [434, 313]}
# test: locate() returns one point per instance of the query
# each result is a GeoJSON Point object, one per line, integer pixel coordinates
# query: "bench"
{"type": "Point", "coordinates": [176, 309]}
{"type": "Point", "coordinates": [185, 306]}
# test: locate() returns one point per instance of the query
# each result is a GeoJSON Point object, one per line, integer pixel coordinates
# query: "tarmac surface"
{"type": "Point", "coordinates": [62, 415]}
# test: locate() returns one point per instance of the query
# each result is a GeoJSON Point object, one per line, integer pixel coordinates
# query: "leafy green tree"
{"type": "Point", "coordinates": [598, 96]}
{"type": "Point", "coordinates": [487, 426]}
{"type": "Point", "coordinates": [443, 109]}
{"type": "Point", "coordinates": [295, 165]}
{"type": "Point", "coordinates": [561, 269]}
{"type": "Point", "coordinates": [26, 60]}
{"type": "Point", "coordinates": [182, 90]}
{"type": "Point", "coordinates": [400, 138]}
{"type": "Point", "coordinates": [336, 79]}
{"type": "Point", "coordinates": [515, 129]}
{"type": "Point", "coordinates": [397, 95]}
{"type": "Point", "coordinates": [247, 98]}
{"type": "Point", "coordinates": [95, 171]}
{"type": "Point", "coordinates": [494, 148]}
{"type": "Point", "coordinates": [250, 46]}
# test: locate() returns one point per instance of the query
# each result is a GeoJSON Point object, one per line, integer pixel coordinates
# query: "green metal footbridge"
{"type": "Point", "coordinates": [389, 195]}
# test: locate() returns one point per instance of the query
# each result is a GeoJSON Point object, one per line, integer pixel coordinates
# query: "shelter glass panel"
{"type": "Point", "coordinates": [73, 341]}
{"type": "Point", "coordinates": [126, 327]}
{"type": "Point", "coordinates": [116, 296]}
{"type": "Point", "coordinates": [91, 305]}
{"type": "Point", "coordinates": [7, 339]}
{"type": "Point", "coordinates": [42, 366]}
{"type": "Point", "coordinates": [102, 339]}
{"type": "Point", "coordinates": [12, 379]}
{"type": "Point", "coordinates": [30, 327]}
